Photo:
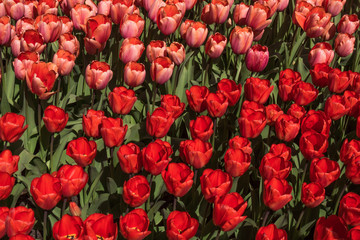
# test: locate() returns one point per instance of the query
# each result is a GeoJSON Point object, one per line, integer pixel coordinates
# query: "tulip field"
{"type": "Point", "coordinates": [179, 119]}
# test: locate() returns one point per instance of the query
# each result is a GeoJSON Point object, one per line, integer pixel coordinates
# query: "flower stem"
{"type": "Point", "coordinates": [39, 120]}
{"type": "Point", "coordinates": [204, 220]}
{"type": "Point", "coordinates": [5, 146]}
{"type": "Point", "coordinates": [218, 234]}
{"type": "Point", "coordinates": [92, 98]}
{"type": "Point", "coordinates": [339, 197]}
{"type": "Point", "coordinates": [44, 224]}
{"type": "Point", "coordinates": [51, 147]}
{"type": "Point", "coordinates": [266, 215]}
{"type": "Point", "coordinates": [154, 97]}
{"type": "Point", "coordinates": [174, 204]}
{"type": "Point", "coordinates": [63, 207]}
{"type": "Point", "coordinates": [300, 218]}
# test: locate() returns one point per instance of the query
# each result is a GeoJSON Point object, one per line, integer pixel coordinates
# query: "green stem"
{"type": "Point", "coordinates": [204, 220]}
{"type": "Point", "coordinates": [5, 146]}
{"type": "Point", "coordinates": [174, 203]}
{"type": "Point", "coordinates": [45, 221]}
{"type": "Point", "coordinates": [63, 207]}
{"type": "Point", "coordinates": [51, 147]}
{"type": "Point", "coordinates": [339, 198]}
{"type": "Point", "coordinates": [304, 173]}
{"type": "Point", "coordinates": [39, 120]}
{"type": "Point", "coordinates": [239, 65]}
{"type": "Point", "coordinates": [218, 234]}
{"type": "Point", "coordinates": [111, 164]}
{"type": "Point", "coordinates": [154, 97]}
{"type": "Point", "coordinates": [300, 218]}
{"type": "Point", "coordinates": [266, 215]}
{"type": "Point", "coordinates": [92, 98]}
{"type": "Point", "coordinates": [58, 92]}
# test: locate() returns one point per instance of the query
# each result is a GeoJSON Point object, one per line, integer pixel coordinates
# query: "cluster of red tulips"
{"type": "Point", "coordinates": [164, 144]}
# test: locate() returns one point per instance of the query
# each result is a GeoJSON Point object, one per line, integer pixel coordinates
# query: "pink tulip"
{"type": "Point", "coordinates": [134, 74]}
{"type": "Point", "coordinates": [23, 62]}
{"type": "Point", "coordinates": [241, 39]}
{"type": "Point", "coordinates": [49, 25]}
{"type": "Point", "coordinates": [161, 69]}
{"type": "Point", "coordinates": [257, 58]}
{"type": "Point", "coordinates": [80, 14]}
{"type": "Point", "coordinates": [119, 8]}
{"type": "Point", "coordinates": [344, 44]}
{"type": "Point", "coordinates": [168, 19]}
{"type": "Point", "coordinates": [131, 50]}
{"type": "Point", "coordinates": [97, 75]}
{"type": "Point", "coordinates": [321, 53]}
{"type": "Point", "coordinates": [215, 45]}
{"type": "Point", "coordinates": [176, 52]}
{"type": "Point", "coordinates": [156, 48]}
{"type": "Point", "coordinates": [132, 25]}
{"type": "Point", "coordinates": [65, 61]}
{"type": "Point", "coordinates": [69, 43]}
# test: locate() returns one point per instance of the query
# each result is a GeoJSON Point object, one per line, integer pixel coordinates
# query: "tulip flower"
{"type": "Point", "coordinates": [67, 23]}
{"type": "Point", "coordinates": [12, 127]}
{"type": "Point", "coordinates": [136, 191]}
{"type": "Point", "coordinates": [251, 122]}
{"type": "Point", "coordinates": [101, 226]}
{"type": "Point", "coordinates": [22, 25]}
{"type": "Point", "coordinates": [5, 27]}
{"type": "Point", "coordinates": [339, 81]}
{"type": "Point", "coordinates": [324, 171]}
{"type": "Point", "coordinates": [180, 225]}
{"type": "Point", "coordinates": [277, 193]}
{"type": "Point", "coordinates": [20, 221]}
{"type": "Point", "coordinates": [113, 131]}
{"type": "Point", "coordinates": [272, 111]}
{"type": "Point", "coordinates": [215, 183]}
{"type": "Point", "coordinates": [196, 152]}
{"type": "Point", "coordinates": [216, 104]}
{"type": "Point", "coordinates": [82, 151]}
{"type": "Point", "coordinates": [68, 226]}
{"type": "Point", "coordinates": [46, 6]}
{"type": "Point", "coordinates": [168, 18]}
{"type": "Point", "coordinates": [296, 111]}
{"type": "Point", "coordinates": [176, 52]}
{"type": "Point", "coordinates": [65, 61]}
{"type": "Point", "coordinates": [257, 90]}
{"type": "Point", "coordinates": [334, 7]}
{"type": "Point", "coordinates": [121, 100]}
{"type": "Point", "coordinates": [6, 185]}
{"type": "Point", "coordinates": [91, 123]}
{"type": "Point", "coordinates": [73, 179]}
{"type": "Point", "coordinates": [55, 118]}
{"type": "Point", "coordinates": [178, 179]}
{"type": "Point", "coordinates": [119, 8]}
{"type": "Point", "coordinates": [344, 44]}
{"type": "Point", "coordinates": [135, 224]}
{"type": "Point", "coordinates": [134, 74]}
{"type": "Point", "coordinates": [8, 162]}
{"type": "Point", "coordinates": [196, 34]}
{"type": "Point", "coordinates": [287, 80]}
{"type": "Point", "coordinates": [156, 156]}
{"type": "Point", "coordinates": [156, 48]}
{"type": "Point", "coordinates": [172, 104]}
{"type": "Point", "coordinates": [321, 53]}
{"type": "Point", "coordinates": [46, 191]}
{"type": "Point", "coordinates": [98, 74]}
{"type": "Point", "coordinates": [287, 127]}
{"type": "Point", "coordinates": [202, 128]}
{"type": "Point", "coordinates": [98, 30]}
{"type": "Point", "coordinates": [31, 40]}
{"type": "Point", "coordinates": [348, 24]}
{"type": "Point", "coordinates": [304, 93]}
{"type": "Point", "coordinates": [70, 43]}
{"type": "Point", "coordinates": [159, 122]}
{"type": "Point", "coordinates": [257, 58]}
{"type": "Point", "coordinates": [335, 107]}
{"type": "Point", "coordinates": [241, 39]}
{"type": "Point", "coordinates": [130, 158]}
{"type": "Point", "coordinates": [49, 26]}
{"type": "Point", "coordinates": [237, 162]}
{"type": "Point", "coordinates": [196, 97]}
{"type": "Point", "coordinates": [215, 12]}
{"type": "Point", "coordinates": [317, 121]}
{"type": "Point", "coordinates": [353, 170]}
{"type": "Point", "coordinates": [349, 209]}
{"type": "Point", "coordinates": [349, 150]}
{"type": "Point", "coordinates": [215, 45]}
{"type": "Point", "coordinates": [312, 194]}
{"type": "Point", "coordinates": [161, 69]}
{"type": "Point", "coordinates": [320, 74]}
{"type": "Point", "coordinates": [80, 14]}
{"type": "Point", "coordinates": [132, 25]}
{"type": "Point", "coordinates": [131, 50]}
{"type": "Point", "coordinates": [271, 232]}
{"type": "Point", "coordinates": [4, 212]}
{"type": "Point", "coordinates": [332, 227]}
{"type": "Point", "coordinates": [15, 9]}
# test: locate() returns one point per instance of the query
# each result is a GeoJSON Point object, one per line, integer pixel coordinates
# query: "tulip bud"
{"type": "Point", "coordinates": [46, 191]}
{"type": "Point", "coordinates": [24, 62]}
{"type": "Point", "coordinates": [161, 69]}
{"type": "Point", "coordinates": [180, 225]}
{"type": "Point", "coordinates": [19, 221]}
{"type": "Point", "coordinates": [333, 225]}
{"type": "Point", "coordinates": [324, 171]}
{"type": "Point", "coordinates": [136, 191]}
{"type": "Point", "coordinates": [196, 97]}
{"type": "Point", "coordinates": [131, 50]}
{"type": "Point", "coordinates": [98, 74]}
{"type": "Point", "coordinates": [237, 162]}
{"type": "Point", "coordinates": [82, 151]}
{"type": "Point", "coordinates": [178, 179]}
{"type": "Point", "coordinates": [156, 156]}
{"type": "Point", "coordinates": [271, 232]}
{"type": "Point", "coordinates": [121, 100]}
{"type": "Point", "coordinates": [216, 104]}
{"type": "Point", "coordinates": [132, 25]}
{"type": "Point", "coordinates": [202, 128]}
{"type": "Point", "coordinates": [12, 127]}
{"type": "Point", "coordinates": [241, 39]}
{"type": "Point", "coordinates": [168, 19]}
{"type": "Point", "coordinates": [74, 209]}
{"type": "Point", "coordinates": [130, 158]}
{"type": "Point", "coordinates": [176, 52]}
{"type": "Point", "coordinates": [65, 61]}
{"type": "Point", "coordinates": [156, 48]}
{"type": "Point", "coordinates": [321, 53]}
{"type": "Point", "coordinates": [215, 45]}
{"type": "Point", "coordinates": [344, 44]}
{"type": "Point", "coordinates": [55, 118]}
{"type": "Point", "coordinates": [277, 193]}
{"type": "Point", "coordinates": [113, 131]}
{"type": "Point", "coordinates": [135, 224]}
{"type": "Point", "coordinates": [196, 152]}
{"type": "Point", "coordinates": [214, 184]}
{"type": "Point", "coordinates": [348, 24]}
{"type": "Point", "coordinates": [312, 194]}
{"type": "Point", "coordinates": [196, 34]}
{"type": "Point", "coordinates": [134, 74]}
{"type": "Point", "coordinates": [159, 122]}
{"type": "Point", "coordinates": [257, 58]}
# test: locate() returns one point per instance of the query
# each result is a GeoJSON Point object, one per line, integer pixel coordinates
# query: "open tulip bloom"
{"type": "Point", "coordinates": [179, 119]}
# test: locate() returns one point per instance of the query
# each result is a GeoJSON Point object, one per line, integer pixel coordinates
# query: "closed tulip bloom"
{"type": "Point", "coordinates": [215, 12]}
{"type": "Point", "coordinates": [355, 84]}
{"type": "Point", "coordinates": [180, 225]}
{"type": "Point", "coordinates": [156, 156]}
{"type": "Point", "coordinates": [168, 18]}
{"type": "Point", "coordinates": [119, 8]}
{"type": "Point", "coordinates": [313, 144]}
{"type": "Point", "coordinates": [68, 226]}
{"type": "Point", "coordinates": [349, 209]}
{"type": "Point", "coordinates": [136, 191]}
{"type": "Point", "coordinates": [154, 8]}
{"type": "Point", "coordinates": [275, 167]}
{"type": "Point", "coordinates": [91, 123]}
{"type": "Point", "coordinates": [121, 100]}
{"type": "Point", "coordinates": [237, 162]}
{"type": "Point", "coordinates": [172, 104]}
{"type": "Point", "coordinates": [348, 24]}
{"type": "Point", "coordinates": [14, 8]}
{"type": "Point", "coordinates": [178, 179]}
{"type": "Point", "coordinates": [317, 121]}
{"type": "Point", "coordinates": [335, 107]}
{"type": "Point", "coordinates": [74, 209]}
{"type": "Point", "coordinates": [257, 58]}
{"type": "Point", "coordinates": [277, 193]}
{"type": "Point", "coordinates": [312, 194]}
{"type": "Point", "coordinates": [252, 123]}
{"type": "Point", "coordinates": [216, 104]}
{"type": "Point", "coordinates": [339, 81]}
{"type": "Point", "coordinates": [6, 185]}
{"type": "Point", "coordinates": [196, 97]}
{"type": "Point", "coordinates": [334, 7]}
{"type": "Point", "coordinates": [4, 212]}
{"type": "Point", "coordinates": [271, 4]}
{"type": "Point", "coordinates": [19, 221]}
{"type": "Point", "coordinates": [215, 45]}
{"type": "Point", "coordinates": [46, 6]}
{"type": "Point", "coordinates": [324, 171]}
{"type": "Point", "coordinates": [130, 158]}
{"type": "Point", "coordinates": [49, 26]}
{"type": "Point", "coordinates": [70, 43]}
{"type": "Point", "coordinates": [131, 50]}
{"type": "Point", "coordinates": [287, 80]}
{"type": "Point", "coordinates": [257, 17]}
{"type": "Point", "coordinates": [316, 22]}
{"type": "Point", "coordinates": [98, 30]}
{"type": "Point", "coordinates": [190, 4]}
{"type": "Point", "coordinates": [159, 122]}
{"type": "Point", "coordinates": [73, 179]}
{"type": "Point", "coordinates": [134, 74]}
{"type": "Point", "coordinates": [134, 225]}
{"type": "Point", "coordinates": [353, 170]}
{"type": "Point", "coordinates": [229, 88]}
{"type": "Point", "coordinates": [82, 151]}
{"type": "Point", "coordinates": [349, 150]}
{"type": "Point", "coordinates": [321, 53]}
{"type": "Point", "coordinates": [65, 61]}
{"type": "Point", "coordinates": [271, 232]}
{"type": "Point", "coordinates": [241, 143]}
{"type": "Point", "coordinates": [8, 162]}
{"type": "Point", "coordinates": [240, 12]}
{"type": "Point", "coordinates": [23, 62]}
{"type": "Point", "coordinates": [101, 226]}
{"type": "Point", "coordinates": [279, 150]}
{"type": "Point", "coordinates": [296, 111]}
{"type": "Point", "coordinates": [354, 233]}
{"type": "Point", "coordinates": [5, 29]}
{"type": "Point", "coordinates": [46, 191]}
{"type": "Point", "coordinates": [320, 74]}
{"type": "Point", "coordinates": [176, 52]}
{"type": "Point", "coordinates": [273, 111]}
{"type": "Point", "coordinates": [215, 183]}
{"type": "Point", "coordinates": [344, 44]}
{"type": "Point", "coordinates": [161, 69]}
{"type": "Point", "coordinates": [228, 211]}
{"type": "Point", "coordinates": [40, 79]}
{"type": "Point", "coordinates": [332, 227]}
{"type": "Point", "coordinates": [257, 90]}
{"type": "Point", "coordinates": [156, 48]}
{"type": "Point", "coordinates": [113, 131]}
{"type": "Point", "coordinates": [98, 74]}
{"type": "Point", "coordinates": [55, 118]}
{"type": "Point", "coordinates": [132, 25]}
{"type": "Point", "coordinates": [31, 40]}
{"type": "Point", "coordinates": [80, 14]}
{"type": "Point", "coordinates": [351, 99]}
{"type": "Point", "coordinates": [304, 93]}
{"type": "Point", "coordinates": [196, 34]}
{"type": "Point", "coordinates": [196, 152]}
{"type": "Point", "coordinates": [184, 27]}
{"type": "Point", "coordinates": [287, 127]}
{"type": "Point", "coordinates": [12, 127]}
{"type": "Point", "coordinates": [202, 128]}
{"type": "Point", "coordinates": [67, 24]}
{"type": "Point", "coordinates": [241, 39]}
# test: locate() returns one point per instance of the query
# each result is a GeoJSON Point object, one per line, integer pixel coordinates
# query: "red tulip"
{"type": "Point", "coordinates": [70, 43]}
{"type": "Point", "coordinates": [352, 102]}
{"type": "Point", "coordinates": [136, 191]}
{"type": "Point", "coordinates": [130, 158]}
{"type": "Point", "coordinates": [82, 151]}
{"type": "Point", "coordinates": [339, 81]}
{"type": "Point", "coordinates": [202, 128]}
{"type": "Point", "coordinates": [228, 211]}
{"type": "Point", "coordinates": [180, 225]}
{"type": "Point", "coordinates": [287, 80]}
{"type": "Point", "coordinates": [68, 226]}
{"type": "Point", "coordinates": [159, 123]}
{"type": "Point", "coordinates": [134, 225]}
{"type": "Point", "coordinates": [46, 191]}
{"type": "Point", "coordinates": [215, 183]}
{"type": "Point", "coordinates": [354, 233]}
{"type": "Point", "coordinates": [312, 194]}
{"type": "Point", "coordinates": [304, 93]}
{"type": "Point", "coordinates": [349, 150]}
{"type": "Point", "coordinates": [257, 58]}
{"type": "Point", "coordinates": [320, 74]}
{"type": "Point", "coordinates": [277, 193]}
{"type": "Point", "coordinates": [101, 226]}
{"type": "Point", "coordinates": [134, 74]}
{"type": "Point", "coordinates": [172, 104]}
{"type": "Point", "coordinates": [156, 156]}
{"type": "Point", "coordinates": [216, 104]}
{"type": "Point", "coordinates": [6, 185]}
{"type": "Point", "coordinates": [353, 170]}
{"type": "Point", "coordinates": [20, 221]}
{"type": "Point", "coordinates": [91, 123]}
{"type": "Point", "coordinates": [55, 119]}
{"type": "Point", "coordinates": [98, 30]}
{"type": "Point", "coordinates": [275, 167]}
{"type": "Point", "coordinates": [196, 152]}
{"type": "Point", "coordinates": [11, 127]}
{"type": "Point", "coordinates": [257, 90]}
{"type": "Point", "coordinates": [331, 228]}
{"type": "Point", "coordinates": [4, 212]}
{"type": "Point", "coordinates": [178, 179]}
{"type": "Point", "coordinates": [335, 107]}
{"type": "Point", "coordinates": [324, 171]}
{"type": "Point", "coordinates": [251, 121]}
{"type": "Point", "coordinates": [237, 162]}
{"type": "Point", "coordinates": [196, 97]}
{"type": "Point", "coordinates": [113, 131]}
{"type": "Point", "coordinates": [296, 111]}
{"type": "Point", "coordinates": [271, 232]}
{"type": "Point", "coordinates": [349, 209]}
{"type": "Point", "coordinates": [287, 127]}
{"type": "Point", "coordinates": [121, 100]}
{"type": "Point", "coordinates": [241, 143]}
{"type": "Point", "coordinates": [313, 144]}
{"type": "Point", "coordinates": [31, 40]}
{"type": "Point", "coordinates": [229, 88]}
{"type": "Point", "coordinates": [272, 111]}
{"type": "Point", "coordinates": [73, 179]}
{"type": "Point", "coordinates": [8, 162]}
{"type": "Point", "coordinates": [317, 121]}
